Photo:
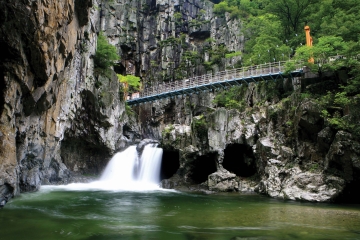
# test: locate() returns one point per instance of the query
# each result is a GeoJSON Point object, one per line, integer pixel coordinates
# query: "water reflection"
{"type": "Point", "coordinates": [172, 215]}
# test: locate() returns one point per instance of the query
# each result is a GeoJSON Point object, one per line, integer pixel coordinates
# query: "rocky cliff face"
{"type": "Point", "coordinates": [168, 40]}
{"type": "Point", "coordinates": [276, 145]}
{"type": "Point", "coordinates": [57, 116]}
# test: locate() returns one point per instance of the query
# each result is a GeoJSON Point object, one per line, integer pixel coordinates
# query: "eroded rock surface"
{"type": "Point", "coordinates": [285, 149]}
{"type": "Point", "coordinates": [57, 116]}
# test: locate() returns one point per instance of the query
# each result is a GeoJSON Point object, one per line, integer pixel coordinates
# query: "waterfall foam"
{"type": "Point", "coordinates": [150, 164]}
{"type": "Point", "coordinates": [127, 172]}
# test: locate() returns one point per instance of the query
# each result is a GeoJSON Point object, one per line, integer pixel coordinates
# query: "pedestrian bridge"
{"type": "Point", "coordinates": [228, 78]}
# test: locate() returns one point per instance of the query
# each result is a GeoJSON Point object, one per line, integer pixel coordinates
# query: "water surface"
{"type": "Point", "coordinates": [56, 213]}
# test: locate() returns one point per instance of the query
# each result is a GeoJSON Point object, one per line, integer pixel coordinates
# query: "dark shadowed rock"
{"type": "Point", "coordinates": [143, 143]}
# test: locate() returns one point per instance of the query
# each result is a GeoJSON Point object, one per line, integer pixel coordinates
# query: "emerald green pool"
{"type": "Point", "coordinates": [63, 214]}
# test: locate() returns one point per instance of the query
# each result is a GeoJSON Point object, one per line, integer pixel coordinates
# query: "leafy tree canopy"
{"type": "Point", "coordinates": [130, 81]}
{"type": "Point", "coordinates": [106, 54]}
{"type": "Point", "coordinates": [275, 28]}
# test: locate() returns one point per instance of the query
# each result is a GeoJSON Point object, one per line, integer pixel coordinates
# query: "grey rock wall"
{"type": "Point", "coordinates": [297, 156]}
{"type": "Point", "coordinates": [168, 40]}
{"type": "Point", "coordinates": [57, 116]}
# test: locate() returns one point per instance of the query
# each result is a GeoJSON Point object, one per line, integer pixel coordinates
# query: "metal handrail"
{"type": "Point", "coordinates": [223, 76]}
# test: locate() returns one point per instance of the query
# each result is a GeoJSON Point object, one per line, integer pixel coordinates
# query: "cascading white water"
{"type": "Point", "coordinates": [126, 171]}
{"type": "Point", "coordinates": [150, 164]}
{"type": "Point", "coordinates": [121, 167]}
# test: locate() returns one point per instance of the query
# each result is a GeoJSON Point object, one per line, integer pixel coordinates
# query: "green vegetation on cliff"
{"type": "Point", "coordinates": [274, 31]}
{"type": "Point", "coordinates": [131, 82]}
{"type": "Point", "coordinates": [106, 54]}
{"type": "Point", "coordinates": [232, 98]}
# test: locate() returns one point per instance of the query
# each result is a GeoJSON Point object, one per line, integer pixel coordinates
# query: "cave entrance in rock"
{"type": "Point", "coordinates": [202, 167]}
{"type": "Point", "coordinates": [239, 159]}
{"type": "Point", "coordinates": [2, 90]}
{"type": "Point", "coordinates": [350, 194]}
{"type": "Point", "coordinates": [80, 154]}
{"type": "Point", "coordinates": [169, 164]}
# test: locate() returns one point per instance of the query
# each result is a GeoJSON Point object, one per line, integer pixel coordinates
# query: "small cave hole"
{"type": "Point", "coordinates": [239, 159]}
{"type": "Point", "coordinates": [120, 69]}
{"type": "Point", "coordinates": [215, 1]}
{"type": "Point", "coordinates": [2, 90]}
{"type": "Point", "coordinates": [169, 164]}
{"type": "Point", "coordinates": [202, 167]}
{"type": "Point", "coordinates": [200, 35]}
{"type": "Point", "coordinates": [350, 194]}
{"type": "Point", "coordinates": [153, 5]}
{"type": "Point", "coordinates": [127, 131]}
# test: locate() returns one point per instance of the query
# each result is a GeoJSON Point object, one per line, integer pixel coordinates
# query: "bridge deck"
{"type": "Point", "coordinates": [228, 78]}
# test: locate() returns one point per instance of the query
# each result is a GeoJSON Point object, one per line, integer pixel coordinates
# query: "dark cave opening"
{"type": "Point", "coordinates": [215, 1]}
{"type": "Point", "coordinates": [2, 90]}
{"type": "Point", "coordinates": [169, 164]}
{"type": "Point", "coordinates": [200, 35]}
{"type": "Point", "coordinates": [239, 159]}
{"type": "Point", "coordinates": [350, 194]}
{"type": "Point", "coordinates": [84, 155]}
{"type": "Point", "coordinates": [153, 5]}
{"type": "Point", "coordinates": [120, 69]}
{"type": "Point", "coordinates": [202, 167]}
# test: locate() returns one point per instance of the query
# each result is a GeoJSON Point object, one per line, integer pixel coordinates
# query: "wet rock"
{"type": "Point", "coordinates": [143, 143]}
{"type": "Point", "coordinates": [172, 183]}
{"type": "Point", "coordinates": [6, 192]}
{"type": "Point", "coordinates": [311, 187]}
{"type": "Point", "coordinates": [294, 184]}
{"type": "Point", "coordinates": [222, 181]}
{"type": "Point", "coordinates": [30, 180]}
{"type": "Point", "coordinates": [248, 185]}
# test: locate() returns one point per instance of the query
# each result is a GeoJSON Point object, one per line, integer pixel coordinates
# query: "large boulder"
{"type": "Point", "coordinates": [295, 184]}
{"type": "Point", "coordinates": [222, 181]}
{"type": "Point", "coordinates": [313, 187]}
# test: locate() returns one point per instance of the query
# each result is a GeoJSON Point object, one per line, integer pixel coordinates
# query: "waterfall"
{"type": "Point", "coordinates": [126, 171]}
{"type": "Point", "coordinates": [150, 164]}
{"type": "Point", "coordinates": [129, 172]}
{"type": "Point", "coordinates": [121, 166]}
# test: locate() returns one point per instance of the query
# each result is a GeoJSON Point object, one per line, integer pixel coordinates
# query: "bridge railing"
{"type": "Point", "coordinates": [238, 73]}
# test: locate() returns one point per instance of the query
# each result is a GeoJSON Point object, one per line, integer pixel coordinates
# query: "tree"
{"type": "Point", "coordinates": [131, 83]}
{"type": "Point", "coordinates": [337, 18]}
{"type": "Point", "coordinates": [106, 54]}
{"type": "Point", "coordinates": [328, 53]}
{"type": "Point", "coordinates": [264, 42]}
{"type": "Point", "coordinates": [292, 13]}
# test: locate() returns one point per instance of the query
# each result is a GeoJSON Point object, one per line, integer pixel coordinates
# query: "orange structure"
{"type": "Point", "coordinates": [126, 88]}
{"type": "Point", "coordinates": [309, 41]}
